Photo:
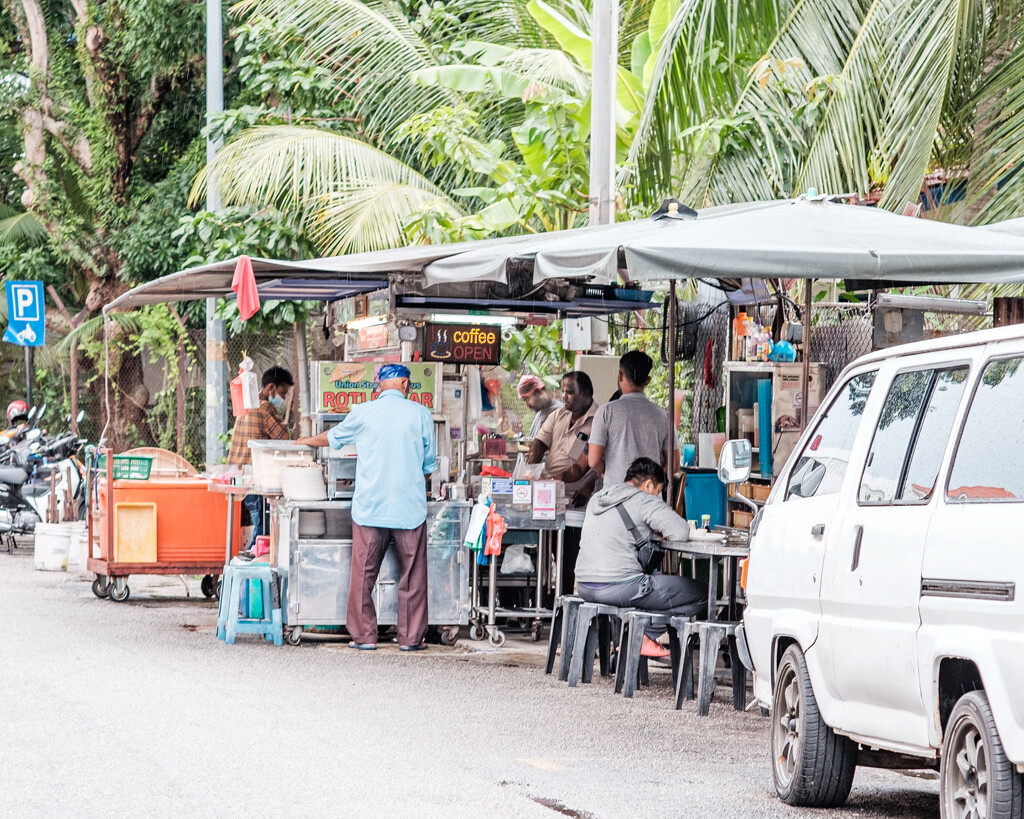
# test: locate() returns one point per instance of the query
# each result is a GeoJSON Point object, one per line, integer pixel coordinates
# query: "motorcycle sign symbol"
{"type": "Point", "coordinates": [26, 335]}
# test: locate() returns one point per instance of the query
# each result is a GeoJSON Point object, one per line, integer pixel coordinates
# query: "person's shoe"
{"type": "Point", "coordinates": [420, 647]}
{"type": "Point", "coordinates": [363, 646]}
{"type": "Point", "coordinates": [649, 648]}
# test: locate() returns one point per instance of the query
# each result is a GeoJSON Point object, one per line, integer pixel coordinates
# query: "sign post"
{"type": "Point", "coordinates": [26, 323]}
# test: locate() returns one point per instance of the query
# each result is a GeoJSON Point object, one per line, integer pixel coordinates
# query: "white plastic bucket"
{"type": "Point", "coordinates": [78, 550]}
{"type": "Point", "coordinates": [52, 541]}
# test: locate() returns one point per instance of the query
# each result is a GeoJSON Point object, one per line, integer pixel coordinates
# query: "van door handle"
{"type": "Point", "coordinates": [818, 530]}
{"type": "Point", "coordinates": [858, 535]}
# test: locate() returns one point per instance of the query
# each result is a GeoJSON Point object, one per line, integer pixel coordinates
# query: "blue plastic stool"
{"type": "Point", "coordinates": [230, 623]}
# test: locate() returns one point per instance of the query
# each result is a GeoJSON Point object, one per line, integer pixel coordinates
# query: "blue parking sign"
{"type": "Point", "coordinates": [26, 316]}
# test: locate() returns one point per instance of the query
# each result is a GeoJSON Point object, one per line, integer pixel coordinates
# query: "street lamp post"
{"type": "Point", "coordinates": [602, 111]}
{"type": "Point", "coordinates": [216, 346]}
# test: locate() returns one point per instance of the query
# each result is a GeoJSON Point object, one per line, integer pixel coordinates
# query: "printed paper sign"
{"type": "Point", "coordinates": [521, 493]}
{"type": "Point", "coordinates": [544, 500]}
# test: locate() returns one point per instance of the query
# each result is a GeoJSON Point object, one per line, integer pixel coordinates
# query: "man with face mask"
{"type": "Point", "coordinates": [262, 423]}
{"type": "Point", "coordinates": [396, 447]}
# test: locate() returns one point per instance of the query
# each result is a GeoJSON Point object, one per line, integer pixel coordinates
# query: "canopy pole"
{"type": "Point", "coordinates": [805, 375]}
{"type": "Point", "coordinates": [672, 321]}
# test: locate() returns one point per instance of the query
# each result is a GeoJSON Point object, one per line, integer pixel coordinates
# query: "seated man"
{"type": "Point", "coordinates": [607, 570]}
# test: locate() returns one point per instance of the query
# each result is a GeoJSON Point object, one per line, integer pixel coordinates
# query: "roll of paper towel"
{"type": "Point", "coordinates": [706, 450]}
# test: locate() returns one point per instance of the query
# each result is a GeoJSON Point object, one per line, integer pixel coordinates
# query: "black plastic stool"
{"type": "Point", "coordinates": [563, 630]}
{"type": "Point", "coordinates": [593, 637]}
{"type": "Point", "coordinates": [687, 631]}
{"type": "Point", "coordinates": [632, 666]}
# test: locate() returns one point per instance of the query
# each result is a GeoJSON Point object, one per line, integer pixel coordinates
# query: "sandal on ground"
{"type": "Point", "coordinates": [363, 646]}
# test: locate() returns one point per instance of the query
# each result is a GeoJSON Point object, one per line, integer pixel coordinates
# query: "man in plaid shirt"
{"type": "Point", "coordinates": [262, 423]}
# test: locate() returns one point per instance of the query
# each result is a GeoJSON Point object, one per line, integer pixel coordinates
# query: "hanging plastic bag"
{"type": "Point", "coordinates": [496, 528]}
{"type": "Point", "coordinates": [250, 384]}
{"type": "Point", "coordinates": [516, 560]}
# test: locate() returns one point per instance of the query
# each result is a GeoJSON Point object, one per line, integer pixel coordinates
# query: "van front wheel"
{"type": "Point", "coordinates": [812, 765]}
{"type": "Point", "coordinates": [977, 778]}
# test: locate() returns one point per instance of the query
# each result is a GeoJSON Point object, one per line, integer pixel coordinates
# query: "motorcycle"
{"type": "Point", "coordinates": [27, 483]}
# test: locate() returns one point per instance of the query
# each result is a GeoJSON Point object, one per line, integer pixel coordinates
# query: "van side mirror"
{"type": "Point", "coordinates": [734, 462]}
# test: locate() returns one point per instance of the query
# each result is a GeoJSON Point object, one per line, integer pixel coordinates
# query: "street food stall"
{"type": "Point", "coordinates": [407, 305]}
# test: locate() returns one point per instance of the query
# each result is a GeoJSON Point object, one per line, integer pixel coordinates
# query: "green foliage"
{"type": "Point", "coordinates": [538, 350]}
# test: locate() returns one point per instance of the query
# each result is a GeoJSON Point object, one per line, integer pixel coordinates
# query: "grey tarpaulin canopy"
{"type": "Point", "coordinates": [214, 280]}
{"type": "Point", "coordinates": [794, 238]}
{"type": "Point", "coordinates": [1014, 227]}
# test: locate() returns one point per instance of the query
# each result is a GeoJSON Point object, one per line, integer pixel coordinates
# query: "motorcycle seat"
{"type": "Point", "coordinates": [13, 475]}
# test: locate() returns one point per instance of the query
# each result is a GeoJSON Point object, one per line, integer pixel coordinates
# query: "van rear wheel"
{"type": "Point", "coordinates": [811, 764]}
{"type": "Point", "coordinates": [977, 778]}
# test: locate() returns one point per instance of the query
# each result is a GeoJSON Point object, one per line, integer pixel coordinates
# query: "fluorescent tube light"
{"type": "Point", "coordinates": [459, 318]}
{"type": "Point", "coordinates": [933, 304]}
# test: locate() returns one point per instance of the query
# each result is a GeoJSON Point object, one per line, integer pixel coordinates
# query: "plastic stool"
{"type": "Point", "coordinates": [593, 637]}
{"type": "Point", "coordinates": [230, 623]}
{"type": "Point", "coordinates": [632, 666]}
{"type": "Point", "coordinates": [563, 630]}
{"type": "Point", "coordinates": [711, 636]}
{"type": "Point", "coordinates": [687, 631]}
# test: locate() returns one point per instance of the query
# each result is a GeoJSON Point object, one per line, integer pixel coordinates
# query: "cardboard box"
{"type": "Point", "coordinates": [741, 519]}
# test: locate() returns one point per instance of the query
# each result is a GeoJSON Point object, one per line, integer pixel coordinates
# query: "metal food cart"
{"type": "Point", "coordinates": [313, 557]}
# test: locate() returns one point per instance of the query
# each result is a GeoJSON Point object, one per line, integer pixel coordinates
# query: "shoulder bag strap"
{"type": "Point", "coordinates": [628, 521]}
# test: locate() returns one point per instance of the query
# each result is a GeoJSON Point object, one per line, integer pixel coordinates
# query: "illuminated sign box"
{"type": "Point", "coordinates": [462, 343]}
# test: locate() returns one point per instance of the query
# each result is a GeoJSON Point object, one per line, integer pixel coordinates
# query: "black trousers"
{"type": "Point", "coordinates": [665, 593]}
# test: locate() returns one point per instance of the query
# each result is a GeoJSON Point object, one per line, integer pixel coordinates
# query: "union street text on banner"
{"type": "Point", "coordinates": [26, 319]}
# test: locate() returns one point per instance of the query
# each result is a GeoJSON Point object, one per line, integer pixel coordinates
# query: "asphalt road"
{"type": "Point", "coordinates": [136, 708]}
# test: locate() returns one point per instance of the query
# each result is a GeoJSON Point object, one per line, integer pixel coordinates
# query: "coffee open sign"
{"type": "Point", "coordinates": [462, 343]}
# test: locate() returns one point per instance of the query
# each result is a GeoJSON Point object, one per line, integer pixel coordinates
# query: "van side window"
{"type": "Point", "coordinates": [989, 463]}
{"type": "Point", "coordinates": [822, 463]}
{"type": "Point", "coordinates": [911, 436]}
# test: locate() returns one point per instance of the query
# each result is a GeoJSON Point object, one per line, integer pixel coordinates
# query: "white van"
{"type": "Point", "coordinates": [882, 621]}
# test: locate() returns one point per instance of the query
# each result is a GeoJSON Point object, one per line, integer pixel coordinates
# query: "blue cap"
{"type": "Point", "coordinates": [389, 371]}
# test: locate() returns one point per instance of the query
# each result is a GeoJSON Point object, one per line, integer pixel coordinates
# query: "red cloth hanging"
{"type": "Point", "coordinates": [244, 285]}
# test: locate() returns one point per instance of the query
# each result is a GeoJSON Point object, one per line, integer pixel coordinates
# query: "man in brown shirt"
{"type": "Point", "coordinates": [261, 423]}
{"type": "Point", "coordinates": [563, 439]}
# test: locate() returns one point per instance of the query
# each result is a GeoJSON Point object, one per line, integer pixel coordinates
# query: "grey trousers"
{"type": "Point", "coordinates": [665, 593]}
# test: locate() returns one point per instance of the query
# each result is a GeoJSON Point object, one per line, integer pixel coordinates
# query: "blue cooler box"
{"type": "Point", "coordinates": [704, 494]}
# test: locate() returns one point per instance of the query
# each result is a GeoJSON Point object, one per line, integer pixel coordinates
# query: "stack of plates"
{"type": "Point", "coordinates": [312, 523]}
{"type": "Point", "coordinates": [303, 483]}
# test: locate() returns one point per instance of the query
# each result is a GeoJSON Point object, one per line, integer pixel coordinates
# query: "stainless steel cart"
{"type": "Point", "coordinates": [314, 559]}
{"type": "Point", "coordinates": [549, 551]}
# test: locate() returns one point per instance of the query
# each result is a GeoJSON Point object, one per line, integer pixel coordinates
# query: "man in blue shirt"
{"type": "Point", "coordinates": [394, 439]}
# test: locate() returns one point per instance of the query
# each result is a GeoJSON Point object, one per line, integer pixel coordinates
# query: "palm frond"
{"type": "Point", "coordinates": [368, 48]}
{"type": "Point", "coordinates": [371, 217]}
{"type": "Point", "coordinates": [294, 167]}
{"type": "Point", "coordinates": [548, 66]}
{"type": "Point", "coordinates": [20, 228]}
{"type": "Point", "coordinates": [700, 73]}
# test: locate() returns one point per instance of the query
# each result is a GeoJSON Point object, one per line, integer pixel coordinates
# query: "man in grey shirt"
{"type": "Point", "coordinates": [632, 427]}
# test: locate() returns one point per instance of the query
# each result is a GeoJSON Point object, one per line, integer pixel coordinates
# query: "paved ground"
{"type": "Point", "coordinates": [137, 708]}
